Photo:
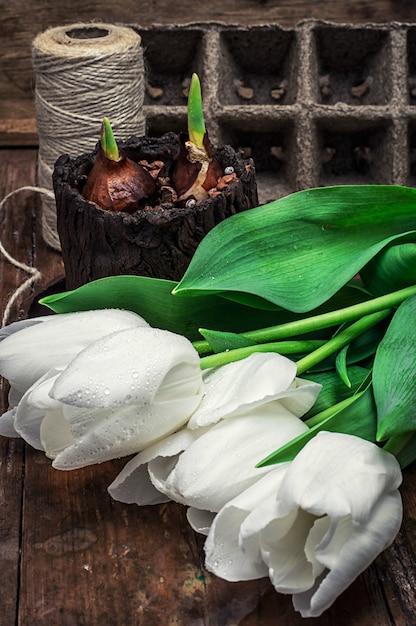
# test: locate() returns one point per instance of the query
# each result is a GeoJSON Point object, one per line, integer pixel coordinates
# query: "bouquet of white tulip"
{"type": "Point", "coordinates": [88, 387]}
{"type": "Point", "coordinates": [289, 477]}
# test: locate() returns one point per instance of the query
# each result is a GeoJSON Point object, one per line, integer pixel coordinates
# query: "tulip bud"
{"type": "Point", "coordinates": [116, 183]}
{"type": "Point", "coordinates": [195, 171]}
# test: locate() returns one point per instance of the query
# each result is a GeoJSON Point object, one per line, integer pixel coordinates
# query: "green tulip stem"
{"type": "Point", "coordinates": [395, 444]}
{"type": "Point", "coordinates": [329, 412]}
{"type": "Point", "coordinates": [282, 347]}
{"type": "Point", "coordinates": [341, 339]}
{"type": "Point", "coordinates": [325, 320]}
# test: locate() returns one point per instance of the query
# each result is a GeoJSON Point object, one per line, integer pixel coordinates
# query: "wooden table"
{"type": "Point", "coordinates": [69, 555]}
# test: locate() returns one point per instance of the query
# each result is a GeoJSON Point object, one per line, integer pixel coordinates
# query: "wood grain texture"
{"type": "Point", "coordinates": [19, 26]}
{"type": "Point", "coordinates": [16, 169]}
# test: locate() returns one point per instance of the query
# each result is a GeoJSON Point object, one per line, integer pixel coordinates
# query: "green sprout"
{"type": "Point", "coordinates": [108, 142]}
{"type": "Point", "coordinates": [196, 124]}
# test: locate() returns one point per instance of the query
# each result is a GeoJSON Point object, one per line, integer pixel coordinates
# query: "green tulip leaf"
{"type": "Point", "coordinates": [333, 388]}
{"type": "Point", "coordinates": [403, 447]}
{"type": "Point", "coordinates": [394, 374]}
{"type": "Point", "coordinates": [392, 268]}
{"type": "Point", "coordinates": [407, 455]}
{"type": "Point", "coordinates": [220, 341]}
{"type": "Point", "coordinates": [342, 367]}
{"type": "Point", "coordinates": [354, 416]}
{"type": "Point", "coordinates": [196, 123]}
{"type": "Point", "coordinates": [108, 142]}
{"type": "Point", "coordinates": [300, 250]}
{"type": "Point", "coordinates": [360, 350]}
{"type": "Point", "coordinates": [152, 299]}
{"type": "Point", "coordinates": [352, 292]}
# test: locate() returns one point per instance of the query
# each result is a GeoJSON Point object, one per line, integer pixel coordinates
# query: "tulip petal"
{"type": "Point", "coordinates": [15, 327]}
{"type": "Point", "coordinates": [199, 520]}
{"type": "Point", "coordinates": [55, 433]}
{"type": "Point", "coordinates": [366, 542]}
{"type": "Point", "coordinates": [106, 434]}
{"type": "Point", "coordinates": [7, 428]}
{"type": "Point", "coordinates": [133, 484]}
{"type": "Point", "coordinates": [300, 396]}
{"type": "Point", "coordinates": [32, 409]}
{"type": "Point", "coordinates": [14, 397]}
{"type": "Point", "coordinates": [328, 474]}
{"type": "Point", "coordinates": [124, 392]}
{"type": "Point", "coordinates": [283, 550]}
{"type": "Point", "coordinates": [236, 444]}
{"type": "Point", "coordinates": [224, 555]}
{"type": "Point", "coordinates": [131, 367]}
{"type": "Point", "coordinates": [238, 386]}
{"type": "Point", "coordinates": [30, 349]}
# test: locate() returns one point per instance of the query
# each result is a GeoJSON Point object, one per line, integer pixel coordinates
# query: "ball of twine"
{"type": "Point", "coordinates": [83, 73]}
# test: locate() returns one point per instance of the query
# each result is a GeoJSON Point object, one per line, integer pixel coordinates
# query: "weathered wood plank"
{"type": "Point", "coordinates": [101, 562]}
{"type": "Point", "coordinates": [11, 486]}
{"type": "Point", "coordinates": [16, 168]}
{"type": "Point", "coordinates": [21, 232]}
{"type": "Point", "coordinates": [19, 132]}
{"type": "Point", "coordinates": [396, 567]}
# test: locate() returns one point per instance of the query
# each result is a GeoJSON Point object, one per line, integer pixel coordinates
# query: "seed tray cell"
{"type": "Point", "coordinates": [170, 58]}
{"type": "Point", "coordinates": [353, 153]}
{"type": "Point", "coordinates": [412, 154]}
{"type": "Point", "coordinates": [271, 145]}
{"type": "Point", "coordinates": [257, 66]}
{"type": "Point", "coordinates": [353, 65]}
{"type": "Point", "coordinates": [317, 104]}
{"type": "Point", "coordinates": [172, 119]}
{"type": "Point", "coordinates": [411, 62]}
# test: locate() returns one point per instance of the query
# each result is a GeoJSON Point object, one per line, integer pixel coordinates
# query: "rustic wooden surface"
{"type": "Point", "coordinates": [19, 24]}
{"type": "Point", "coordinates": [70, 556]}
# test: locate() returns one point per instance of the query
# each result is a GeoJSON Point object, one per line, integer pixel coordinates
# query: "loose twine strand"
{"type": "Point", "coordinates": [83, 73]}
{"type": "Point", "coordinates": [34, 274]}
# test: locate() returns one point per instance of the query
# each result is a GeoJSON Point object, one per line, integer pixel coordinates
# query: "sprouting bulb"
{"type": "Point", "coordinates": [116, 183]}
{"type": "Point", "coordinates": [195, 171]}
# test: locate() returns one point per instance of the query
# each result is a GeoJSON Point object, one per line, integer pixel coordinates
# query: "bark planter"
{"type": "Point", "coordinates": [157, 241]}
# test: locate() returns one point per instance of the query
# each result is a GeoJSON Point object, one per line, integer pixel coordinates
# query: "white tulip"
{"type": "Point", "coordinates": [119, 394]}
{"type": "Point", "coordinates": [224, 554]}
{"type": "Point", "coordinates": [30, 348]}
{"type": "Point", "coordinates": [330, 513]}
{"type": "Point", "coordinates": [241, 386]}
{"type": "Point", "coordinates": [214, 458]}
{"type": "Point", "coordinates": [220, 463]}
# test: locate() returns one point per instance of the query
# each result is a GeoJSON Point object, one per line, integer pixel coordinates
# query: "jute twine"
{"type": "Point", "coordinates": [34, 273]}
{"type": "Point", "coordinates": [84, 71]}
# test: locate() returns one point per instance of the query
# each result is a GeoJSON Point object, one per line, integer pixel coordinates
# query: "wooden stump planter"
{"type": "Point", "coordinates": [158, 241]}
